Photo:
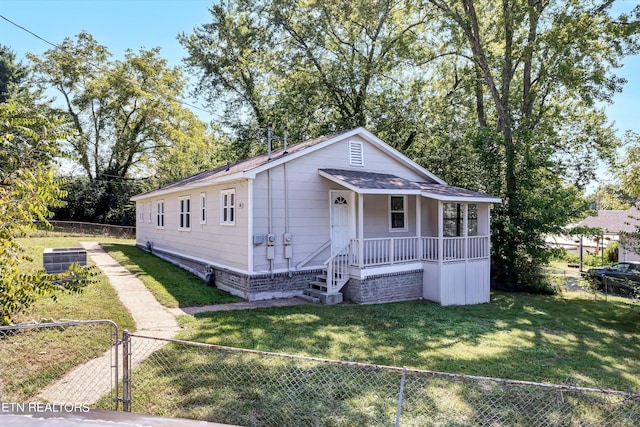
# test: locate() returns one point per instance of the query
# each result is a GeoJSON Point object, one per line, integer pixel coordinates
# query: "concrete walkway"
{"type": "Point", "coordinates": [90, 381]}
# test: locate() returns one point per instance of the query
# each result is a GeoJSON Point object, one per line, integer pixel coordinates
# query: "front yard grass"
{"type": "Point", "coordinates": [573, 339]}
{"type": "Point", "coordinates": [30, 359]}
{"type": "Point", "coordinates": [171, 285]}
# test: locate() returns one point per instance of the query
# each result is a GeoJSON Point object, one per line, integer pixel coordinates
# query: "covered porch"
{"type": "Point", "coordinates": [431, 231]}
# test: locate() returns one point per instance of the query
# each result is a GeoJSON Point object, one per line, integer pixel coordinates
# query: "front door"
{"type": "Point", "coordinates": [342, 219]}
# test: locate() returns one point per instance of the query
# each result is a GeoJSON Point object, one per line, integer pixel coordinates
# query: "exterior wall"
{"type": "Point", "coordinates": [464, 282]}
{"type": "Point", "coordinates": [431, 282]}
{"type": "Point", "coordinates": [213, 242]}
{"type": "Point", "coordinates": [376, 217]}
{"type": "Point", "coordinates": [429, 211]}
{"type": "Point", "coordinates": [306, 198]}
{"type": "Point", "coordinates": [384, 288]}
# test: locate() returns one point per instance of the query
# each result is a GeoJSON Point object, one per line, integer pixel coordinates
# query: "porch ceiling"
{"type": "Point", "coordinates": [364, 182]}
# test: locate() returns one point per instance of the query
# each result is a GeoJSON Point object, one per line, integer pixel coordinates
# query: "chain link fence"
{"type": "Point", "coordinates": [90, 229]}
{"type": "Point", "coordinates": [253, 388]}
{"type": "Point", "coordinates": [73, 365]}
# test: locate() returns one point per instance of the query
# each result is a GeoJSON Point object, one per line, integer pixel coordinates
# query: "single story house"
{"type": "Point", "coordinates": [617, 225]}
{"type": "Point", "coordinates": [339, 216]}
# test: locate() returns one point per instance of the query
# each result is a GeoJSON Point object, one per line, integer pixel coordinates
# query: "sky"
{"type": "Point", "coordinates": [122, 24]}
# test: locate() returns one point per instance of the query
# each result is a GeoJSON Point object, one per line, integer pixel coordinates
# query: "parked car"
{"type": "Point", "coordinates": [622, 278]}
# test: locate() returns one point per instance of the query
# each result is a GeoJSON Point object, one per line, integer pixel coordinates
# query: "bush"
{"type": "Point", "coordinates": [611, 252]}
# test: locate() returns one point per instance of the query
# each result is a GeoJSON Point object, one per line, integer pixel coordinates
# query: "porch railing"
{"type": "Point", "coordinates": [338, 268]}
{"type": "Point", "coordinates": [386, 251]}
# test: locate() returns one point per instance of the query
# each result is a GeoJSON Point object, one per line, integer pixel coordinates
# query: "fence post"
{"type": "Point", "coordinates": [126, 374]}
{"type": "Point", "coordinates": [400, 396]}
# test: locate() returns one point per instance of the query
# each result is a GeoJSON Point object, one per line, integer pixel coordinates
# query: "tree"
{"type": "Point", "coordinates": [28, 142]}
{"type": "Point", "coordinates": [540, 69]}
{"type": "Point", "coordinates": [270, 61]}
{"type": "Point", "coordinates": [125, 115]}
{"type": "Point", "coordinates": [498, 97]}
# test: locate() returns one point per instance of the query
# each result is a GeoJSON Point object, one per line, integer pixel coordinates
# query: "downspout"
{"type": "Point", "coordinates": [286, 200]}
{"type": "Point", "coordinates": [269, 202]}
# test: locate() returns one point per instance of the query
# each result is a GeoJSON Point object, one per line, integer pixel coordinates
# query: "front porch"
{"type": "Point", "coordinates": [431, 233]}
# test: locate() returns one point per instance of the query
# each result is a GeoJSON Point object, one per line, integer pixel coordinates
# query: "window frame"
{"type": "Point", "coordinates": [160, 214]}
{"type": "Point", "coordinates": [228, 206]}
{"type": "Point", "coordinates": [141, 212]}
{"type": "Point", "coordinates": [402, 211]}
{"type": "Point", "coordinates": [184, 213]}
{"type": "Point", "coordinates": [458, 219]}
{"type": "Point", "coordinates": [203, 208]}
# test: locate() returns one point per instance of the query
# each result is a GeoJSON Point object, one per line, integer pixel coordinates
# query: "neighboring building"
{"type": "Point", "coordinates": [340, 215]}
{"type": "Point", "coordinates": [618, 225]}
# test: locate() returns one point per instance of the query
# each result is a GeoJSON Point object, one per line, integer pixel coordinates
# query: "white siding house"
{"type": "Point", "coordinates": [340, 216]}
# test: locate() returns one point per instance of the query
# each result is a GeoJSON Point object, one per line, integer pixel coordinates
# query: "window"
{"type": "Point", "coordinates": [141, 212]}
{"type": "Point", "coordinates": [472, 219]}
{"type": "Point", "coordinates": [149, 212]}
{"type": "Point", "coordinates": [203, 208]}
{"type": "Point", "coordinates": [160, 214]}
{"type": "Point", "coordinates": [355, 154]}
{"type": "Point", "coordinates": [452, 220]}
{"type": "Point", "coordinates": [185, 213]}
{"type": "Point", "coordinates": [397, 218]}
{"type": "Point", "coordinates": [228, 202]}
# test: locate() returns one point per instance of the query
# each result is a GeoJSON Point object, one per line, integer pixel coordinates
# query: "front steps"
{"type": "Point", "coordinates": [317, 292]}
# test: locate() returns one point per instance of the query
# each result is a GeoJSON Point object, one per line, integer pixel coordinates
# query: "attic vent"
{"type": "Point", "coordinates": [355, 154]}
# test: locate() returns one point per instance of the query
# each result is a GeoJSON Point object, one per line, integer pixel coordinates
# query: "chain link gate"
{"type": "Point", "coordinates": [69, 366]}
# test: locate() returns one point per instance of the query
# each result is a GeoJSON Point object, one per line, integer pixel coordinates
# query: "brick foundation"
{"type": "Point", "coordinates": [383, 288]}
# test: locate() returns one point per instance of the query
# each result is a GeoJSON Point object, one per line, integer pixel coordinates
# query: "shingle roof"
{"type": "Point", "coordinates": [372, 180]}
{"type": "Point", "coordinates": [614, 221]}
{"type": "Point", "coordinates": [245, 164]}
{"type": "Point", "coordinates": [364, 180]}
{"type": "Point", "coordinates": [449, 191]}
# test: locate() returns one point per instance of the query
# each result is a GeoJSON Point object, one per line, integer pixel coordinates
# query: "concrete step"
{"type": "Point", "coordinates": [310, 298]}
{"type": "Point", "coordinates": [324, 297]}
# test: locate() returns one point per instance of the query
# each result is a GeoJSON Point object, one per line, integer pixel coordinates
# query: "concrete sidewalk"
{"type": "Point", "coordinates": [88, 382]}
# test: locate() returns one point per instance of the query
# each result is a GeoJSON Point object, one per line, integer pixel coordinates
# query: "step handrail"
{"type": "Point", "coordinates": [338, 269]}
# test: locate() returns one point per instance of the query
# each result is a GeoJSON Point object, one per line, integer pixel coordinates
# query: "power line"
{"type": "Point", "coordinates": [180, 101]}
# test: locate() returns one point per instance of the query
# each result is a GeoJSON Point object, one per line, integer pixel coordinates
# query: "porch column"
{"type": "Point", "coordinates": [465, 230]}
{"type": "Point", "coordinates": [360, 230]}
{"type": "Point", "coordinates": [440, 232]}
{"type": "Point", "coordinates": [419, 252]}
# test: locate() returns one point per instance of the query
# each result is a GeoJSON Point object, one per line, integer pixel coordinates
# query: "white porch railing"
{"type": "Point", "coordinates": [387, 251]}
{"type": "Point", "coordinates": [338, 269]}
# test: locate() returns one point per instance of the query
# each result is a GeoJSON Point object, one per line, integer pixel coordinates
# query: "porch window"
{"type": "Point", "coordinates": [397, 216]}
{"type": "Point", "coordinates": [228, 208]}
{"type": "Point", "coordinates": [452, 220]}
{"type": "Point", "coordinates": [472, 219]}
{"type": "Point", "coordinates": [203, 208]}
{"type": "Point", "coordinates": [160, 214]}
{"type": "Point", "coordinates": [141, 212]}
{"type": "Point", "coordinates": [185, 213]}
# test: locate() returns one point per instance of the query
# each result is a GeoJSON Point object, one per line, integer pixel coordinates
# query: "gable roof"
{"type": "Point", "coordinates": [250, 167]}
{"type": "Point", "coordinates": [614, 221]}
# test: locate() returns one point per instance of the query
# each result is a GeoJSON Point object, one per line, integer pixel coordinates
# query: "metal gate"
{"type": "Point", "coordinates": [70, 366]}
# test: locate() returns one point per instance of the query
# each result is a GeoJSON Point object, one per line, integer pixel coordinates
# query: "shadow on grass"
{"type": "Point", "coordinates": [171, 285]}
{"type": "Point", "coordinates": [264, 390]}
{"type": "Point", "coordinates": [577, 340]}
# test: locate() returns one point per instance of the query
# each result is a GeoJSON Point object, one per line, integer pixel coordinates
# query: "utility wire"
{"type": "Point", "coordinates": [180, 101]}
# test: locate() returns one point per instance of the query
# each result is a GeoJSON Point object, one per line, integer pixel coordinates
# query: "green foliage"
{"type": "Point", "coordinates": [28, 141]}
{"type": "Point", "coordinates": [611, 252]}
{"type": "Point", "coordinates": [504, 100]}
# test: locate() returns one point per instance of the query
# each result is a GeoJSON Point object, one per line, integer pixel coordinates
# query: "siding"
{"type": "Point", "coordinates": [213, 242]}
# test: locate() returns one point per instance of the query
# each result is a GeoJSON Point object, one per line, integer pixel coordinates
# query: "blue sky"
{"type": "Point", "coordinates": [122, 24]}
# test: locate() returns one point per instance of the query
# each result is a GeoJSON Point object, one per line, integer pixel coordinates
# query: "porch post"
{"type": "Point", "coordinates": [440, 232]}
{"type": "Point", "coordinates": [360, 230]}
{"type": "Point", "coordinates": [419, 253]}
{"type": "Point", "coordinates": [465, 230]}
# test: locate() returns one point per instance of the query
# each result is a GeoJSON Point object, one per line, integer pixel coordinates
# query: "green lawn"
{"type": "Point", "coordinates": [171, 285]}
{"type": "Point", "coordinates": [573, 338]}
